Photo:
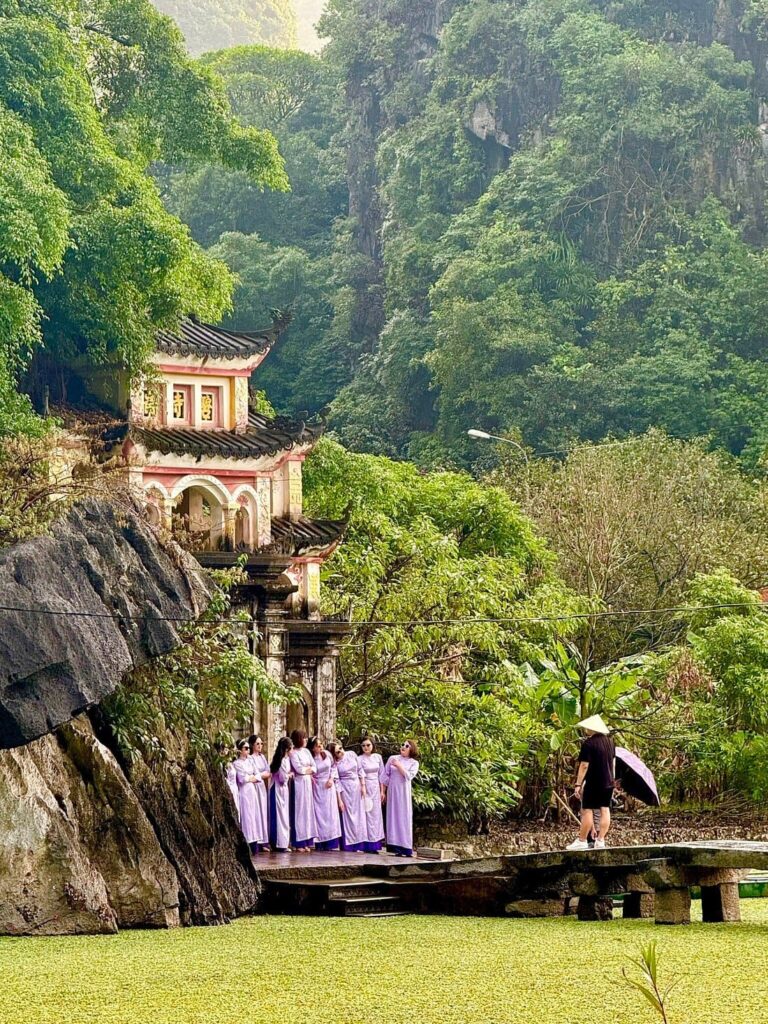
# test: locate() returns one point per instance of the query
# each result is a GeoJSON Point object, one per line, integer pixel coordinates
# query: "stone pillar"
{"type": "Point", "coordinates": [325, 697]}
{"type": "Point", "coordinates": [673, 906]}
{"type": "Point", "coordinates": [595, 908]}
{"type": "Point", "coordinates": [638, 905]}
{"type": "Point", "coordinates": [294, 498]}
{"type": "Point", "coordinates": [275, 646]}
{"type": "Point", "coordinates": [239, 411]}
{"type": "Point", "coordinates": [720, 902]}
{"type": "Point", "coordinates": [197, 521]}
{"type": "Point", "coordinates": [263, 525]}
{"type": "Point", "coordinates": [312, 589]}
{"type": "Point", "coordinates": [229, 513]}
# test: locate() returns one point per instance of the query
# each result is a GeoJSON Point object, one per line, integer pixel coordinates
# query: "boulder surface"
{"type": "Point", "coordinates": [115, 592]}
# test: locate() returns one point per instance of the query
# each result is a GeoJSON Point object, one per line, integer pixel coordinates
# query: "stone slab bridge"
{"type": "Point", "coordinates": [655, 881]}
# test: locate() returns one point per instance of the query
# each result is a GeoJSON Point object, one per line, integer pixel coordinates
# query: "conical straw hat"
{"type": "Point", "coordinates": [595, 724]}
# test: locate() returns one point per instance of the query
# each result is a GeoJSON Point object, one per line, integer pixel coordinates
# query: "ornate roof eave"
{"type": "Point", "coordinates": [201, 340]}
{"type": "Point", "coordinates": [305, 537]}
{"type": "Point", "coordinates": [264, 438]}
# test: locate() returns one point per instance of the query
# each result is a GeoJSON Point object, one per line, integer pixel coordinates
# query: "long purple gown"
{"type": "Point", "coordinates": [326, 804]}
{"type": "Point", "coordinates": [354, 832]}
{"type": "Point", "coordinates": [373, 769]}
{"type": "Point", "coordinates": [279, 807]}
{"type": "Point", "coordinates": [260, 765]}
{"type": "Point", "coordinates": [400, 805]}
{"type": "Point", "coordinates": [302, 806]}
{"type": "Point", "coordinates": [232, 783]}
{"type": "Point", "coordinates": [250, 818]}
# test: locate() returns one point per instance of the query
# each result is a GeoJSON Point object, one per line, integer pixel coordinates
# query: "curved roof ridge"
{"type": "Point", "coordinates": [197, 338]}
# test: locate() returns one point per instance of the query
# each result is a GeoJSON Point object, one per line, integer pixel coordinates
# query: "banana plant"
{"type": "Point", "coordinates": [562, 689]}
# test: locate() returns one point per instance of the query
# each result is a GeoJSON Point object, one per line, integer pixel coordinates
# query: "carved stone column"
{"type": "Point", "coordinates": [325, 696]}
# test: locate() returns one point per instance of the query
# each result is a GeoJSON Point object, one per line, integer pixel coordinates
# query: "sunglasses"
{"type": "Point", "coordinates": [405, 746]}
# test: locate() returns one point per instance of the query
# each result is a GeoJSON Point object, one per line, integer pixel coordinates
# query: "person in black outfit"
{"type": "Point", "coordinates": [595, 782]}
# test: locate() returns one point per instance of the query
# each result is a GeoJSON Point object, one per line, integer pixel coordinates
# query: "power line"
{"type": "Point", "coordinates": [383, 623]}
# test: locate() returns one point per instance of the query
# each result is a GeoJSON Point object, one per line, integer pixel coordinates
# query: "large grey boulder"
{"type": "Point", "coordinates": [117, 587]}
{"type": "Point", "coordinates": [77, 851]}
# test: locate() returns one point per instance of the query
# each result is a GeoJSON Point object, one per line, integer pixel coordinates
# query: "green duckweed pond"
{"type": "Point", "coordinates": [401, 970]}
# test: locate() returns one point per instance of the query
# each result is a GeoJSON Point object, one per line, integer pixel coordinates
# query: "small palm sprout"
{"type": "Point", "coordinates": [648, 963]}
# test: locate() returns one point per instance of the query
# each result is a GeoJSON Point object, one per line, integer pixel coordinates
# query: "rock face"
{"type": "Point", "coordinates": [105, 568]}
{"type": "Point", "coordinates": [89, 843]}
{"type": "Point", "coordinates": [77, 852]}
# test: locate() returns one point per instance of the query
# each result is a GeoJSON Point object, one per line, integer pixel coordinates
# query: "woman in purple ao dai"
{"type": "Point", "coordinates": [326, 798]}
{"type": "Point", "coordinates": [399, 772]}
{"type": "Point", "coordinates": [354, 833]}
{"type": "Point", "coordinates": [304, 829]}
{"type": "Point", "coordinates": [231, 776]}
{"type": "Point", "coordinates": [373, 769]}
{"type": "Point", "coordinates": [261, 766]}
{"type": "Point", "coordinates": [248, 781]}
{"type": "Point", "coordinates": [280, 797]}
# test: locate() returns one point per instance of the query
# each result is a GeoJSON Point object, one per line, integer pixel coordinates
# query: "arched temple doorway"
{"type": "Point", "coordinates": [200, 515]}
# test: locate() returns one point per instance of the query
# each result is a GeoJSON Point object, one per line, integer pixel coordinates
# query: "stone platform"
{"type": "Point", "coordinates": [655, 882]}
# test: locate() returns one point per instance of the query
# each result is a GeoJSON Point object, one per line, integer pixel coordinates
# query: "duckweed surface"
{"type": "Point", "coordinates": [387, 971]}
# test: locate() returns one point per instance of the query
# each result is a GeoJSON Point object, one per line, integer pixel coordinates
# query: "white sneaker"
{"type": "Point", "coordinates": [578, 844]}
{"type": "Point", "coordinates": [599, 844]}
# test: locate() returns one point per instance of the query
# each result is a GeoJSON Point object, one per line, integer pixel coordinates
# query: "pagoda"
{"type": "Point", "coordinates": [226, 480]}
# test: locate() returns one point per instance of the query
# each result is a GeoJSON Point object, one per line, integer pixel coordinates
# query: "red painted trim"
{"type": "Point", "coordinates": [195, 467]}
{"type": "Point", "coordinates": [212, 369]}
{"type": "Point", "coordinates": [195, 470]}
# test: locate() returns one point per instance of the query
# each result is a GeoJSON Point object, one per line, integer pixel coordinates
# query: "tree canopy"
{"type": "Point", "coordinates": [219, 24]}
{"type": "Point", "coordinates": [90, 259]}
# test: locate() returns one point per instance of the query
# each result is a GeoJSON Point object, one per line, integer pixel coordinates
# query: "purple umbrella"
{"type": "Point", "coordinates": [636, 777]}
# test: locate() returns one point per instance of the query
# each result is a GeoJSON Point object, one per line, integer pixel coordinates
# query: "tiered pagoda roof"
{"type": "Point", "coordinates": [263, 436]}
{"type": "Point", "coordinates": [198, 339]}
{"type": "Point", "coordinates": [304, 535]}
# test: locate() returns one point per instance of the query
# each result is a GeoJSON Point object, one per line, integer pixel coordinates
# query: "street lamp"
{"type": "Point", "coordinates": [483, 435]}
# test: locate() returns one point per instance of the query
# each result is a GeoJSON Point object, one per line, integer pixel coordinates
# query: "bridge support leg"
{"type": "Point", "coordinates": [638, 905]}
{"type": "Point", "coordinates": [595, 908]}
{"type": "Point", "coordinates": [673, 906]}
{"type": "Point", "coordinates": [720, 902]}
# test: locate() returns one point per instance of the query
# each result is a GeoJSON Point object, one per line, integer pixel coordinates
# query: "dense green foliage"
{"type": "Point", "coordinates": [218, 24]}
{"type": "Point", "coordinates": [466, 638]}
{"type": "Point", "coordinates": [281, 245]}
{"type": "Point", "coordinates": [435, 571]}
{"type": "Point", "coordinates": [443, 970]}
{"type": "Point", "coordinates": [90, 260]}
{"type": "Point", "coordinates": [556, 224]}
{"type": "Point", "coordinates": [198, 690]}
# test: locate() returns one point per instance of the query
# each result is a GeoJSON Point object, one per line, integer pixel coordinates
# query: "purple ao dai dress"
{"type": "Point", "coordinates": [354, 834]}
{"type": "Point", "coordinates": [279, 807]}
{"type": "Point", "coordinates": [261, 765]}
{"type": "Point", "coordinates": [373, 769]}
{"type": "Point", "coordinates": [251, 821]}
{"type": "Point", "coordinates": [231, 776]}
{"type": "Point", "coordinates": [326, 804]}
{"type": "Point", "coordinates": [302, 807]}
{"type": "Point", "coordinates": [400, 804]}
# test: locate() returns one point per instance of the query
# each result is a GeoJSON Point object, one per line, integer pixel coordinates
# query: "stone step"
{"type": "Point", "coordinates": [305, 896]}
{"type": "Point", "coordinates": [365, 906]}
{"type": "Point", "coordinates": [343, 890]}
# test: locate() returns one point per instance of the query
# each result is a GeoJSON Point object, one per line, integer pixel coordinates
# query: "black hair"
{"type": "Point", "coordinates": [243, 743]}
{"type": "Point", "coordinates": [282, 748]}
{"type": "Point", "coordinates": [313, 741]}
